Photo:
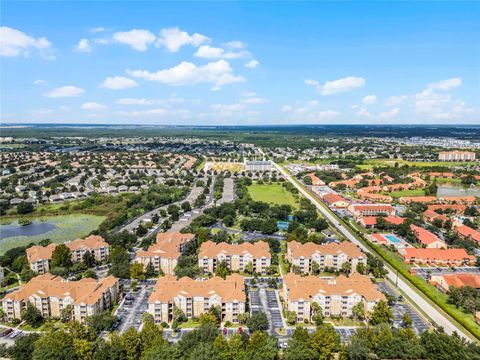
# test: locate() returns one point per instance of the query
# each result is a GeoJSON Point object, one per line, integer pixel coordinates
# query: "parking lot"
{"type": "Point", "coordinates": [132, 308]}
{"type": "Point", "coordinates": [266, 300]}
{"type": "Point", "coordinates": [424, 272]}
{"type": "Point", "coordinates": [401, 307]}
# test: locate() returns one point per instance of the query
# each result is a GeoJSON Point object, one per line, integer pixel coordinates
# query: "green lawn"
{"type": "Point", "coordinates": [413, 192]}
{"type": "Point", "coordinates": [67, 227]}
{"type": "Point", "coordinates": [273, 194]}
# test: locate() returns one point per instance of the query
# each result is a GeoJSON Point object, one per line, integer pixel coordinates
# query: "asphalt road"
{"type": "Point", "coordinates": [433, 312]}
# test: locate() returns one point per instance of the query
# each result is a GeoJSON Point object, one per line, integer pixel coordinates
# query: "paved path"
{"type": "Point", "coordinates": [434, 314]}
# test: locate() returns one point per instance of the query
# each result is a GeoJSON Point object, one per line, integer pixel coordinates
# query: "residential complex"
{"type": "Point", "coordinates": [437, 257]}
{"type": "Point", "coordinates": [51, 295]}
{"type": "Point", "coordinates": [164, 254]}
{"type": "Point", "coordinates": [361, 210]}
{"type": "Point", "coordinates": [196, 297]}
{"type": "Point", "coordinates": [40, 257]}
{"type": "Point", "coordinates": [258, 165]}
{"type": "Point", "coordinates": [444, 282]}
{"type": "Point", "coordinates": [336, 296]}
{"type": "Point", "coordinates": [307, 256]}
{"type": "Point", "coordinates": [456, 156]}
{"type": "Point", "coordinates": [235, 256]}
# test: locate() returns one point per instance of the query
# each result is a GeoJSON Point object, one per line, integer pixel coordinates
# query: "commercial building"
{"type": "Point", "coordinates": [258, 165]}
{"type": "Point", "coordinates": [456, 156]}
{"type": "Point", "coordinates": [336, 296]}
{"type": "Point", "coordinates": [165, 253]}
{"type": "Point", "coordinates": [236, 257]}
{"type": "Point", "coordinates": [331, 255]}
{"type": "Point", "coordinates": [195, 297]}
{"type": "Point", "coordinates": [51, 294]}
{"type": "Point", "coordinates": [40, 257]}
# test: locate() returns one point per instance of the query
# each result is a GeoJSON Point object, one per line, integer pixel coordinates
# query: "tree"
{"type": "Point", "coordinates": [257, 322]}
{"type": "Point", "coordinates": [346, 268]}
{"type": "Point", "coordinates": [325, 341]}
{"type": "Point", "coordinates": [57, 345]}
{"type": "Point", "coordinates": [151, 335]}
{"type": "Point", "coordinates": [361, 268]}
{"type": "Point", "coordinates": [291, 317]}
{"type": "Point", "coordinates": [381, 314]}
{"type": "Point", "coordinates": [24, 346]}
{"type": "Point", "coordinates": [61, 257]}
{"type": "Point", "coordinates": [317, 317]}
{"type": "Point", "coordinates": [186, 206]}
{"type": "Point", "coordinates": [358, 311]}
{"type": "Point", "coordinates": [83, 349]}
{"type": "Point", "coordinates": [406, 321]}
{"type": "Point", "coordinates": [130, 342]}
{"type": "Point", "coordinates": [150, 270]}
{"type": "Point", "coordinates": [32, 315]}
{"type": "Point", "coordinates": [101, 321]}
{"type": "Point", "coordinates": [222, 269]}
{"type": "Point", "coordinates": [88, 259]}
{"type": "Point", "coordinates": [136, 271]}
{"type": "Point", "coordinates": [24, 208]}
{"type": "Point", "coordinates": [120, 263]}
{"type": "Point", "coordinates": [66, 313]}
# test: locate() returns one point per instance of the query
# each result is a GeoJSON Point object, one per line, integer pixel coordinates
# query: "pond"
{"type": "Point", "coordinates": [457, 190]}
{"type": "Point", "coordinates": [58, 229]}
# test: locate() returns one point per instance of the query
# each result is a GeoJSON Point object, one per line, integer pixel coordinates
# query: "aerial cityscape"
{"type": "Point", "coordinates": [239, 180]}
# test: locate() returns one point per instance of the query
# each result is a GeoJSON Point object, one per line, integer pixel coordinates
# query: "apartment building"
{"type": "Point", "coordinates": [164, 254]}
{"type": "Point", "coordinates": [325, 255]}
{"type": "Point", "coordinates": [335, 200]}
{"type": "Point", "coordinates": [258, 165]}
{"type": "Point", "coordinates": [235, 256]}
{"type": "Point", "coordinates": [195, 297]}
{"type": "Point", "coordinates": [445, 281]}
{"type": "Point", "coordinates": [437, 257]}
{"type": "Point", "coordinates": [336, 296]}
{"type": "Point", "coordinates": [51, 294]}
{"type": "Point", "coordinates": [456, 156]}
{"type": "Point", "coordinates": [40, 257]}
{"type": "Point", "coordinates": [426, 238]}
{"type": "Point", "coordinates": [361, 210]}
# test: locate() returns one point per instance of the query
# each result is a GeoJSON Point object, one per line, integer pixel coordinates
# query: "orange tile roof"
{"type": "Point", "coordinates": [459, 280]}
{"type": "Point", "coordinates": [457, 208]}
{"type": "Point", "coordinates": [424, 236]}
{"type": "Point", "coordinates": [306, 287]}
{"type": "Point", "coordinates": [37, 252]}
{"type": "Point", "coordinates": [92, 242]}
{"type": "Point", "coordinates": [332, 198]}
{"type": "Point", "coordinates": [436, 254]}
{"type": "Point", "coordinates": [417, 199]}
{"type": "Point", "coordinates": [460, 199]}
{"type": "Point", "coordinates": [258, 249]}
{"type": "Point", "coordinates": [374, 207]}
{"type": "Point", "coordinates": [168, 245]}
{"type": "Point", "coordinates": [86, 291]}
{"type": "Point", "coordinates": [168, 288]}
{"type": "Point", "coordinates": [308, 249]}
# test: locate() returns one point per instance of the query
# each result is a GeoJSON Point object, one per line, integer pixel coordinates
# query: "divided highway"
{"type": "Point", "coordinates": [434, 314]}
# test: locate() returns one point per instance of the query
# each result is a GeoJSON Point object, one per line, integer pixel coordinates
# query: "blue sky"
{"type": "Point", "coordinates": [239, 63]}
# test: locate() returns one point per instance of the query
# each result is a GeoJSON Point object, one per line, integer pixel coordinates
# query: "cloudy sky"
{"type": "Point", "coordinates": [240, 63]}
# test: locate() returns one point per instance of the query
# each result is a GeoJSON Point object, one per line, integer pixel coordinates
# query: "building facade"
{"type": "Point", "coordinates": [258, 165]}
{"type": "Point", "coordinates": [195, 297]}
{"type": "Point", "coordinates": [236, 257]}
{"type": "Point", "coordinates": [456, 156]}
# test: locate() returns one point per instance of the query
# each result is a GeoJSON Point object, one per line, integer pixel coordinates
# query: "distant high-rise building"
{"type": "Point", "coordinates": [456, 156]}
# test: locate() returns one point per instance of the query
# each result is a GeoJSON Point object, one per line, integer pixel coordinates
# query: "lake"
{"type": "Point", "coordinates": [457, 190]}
{"type": "Point", "coordinates": [35, 228]}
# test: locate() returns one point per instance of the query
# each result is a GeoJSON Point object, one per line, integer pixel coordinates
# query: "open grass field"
{"type": "Point", "coordinates": [224, 166]}
{"type": "Point", "coordinates": [399, 194]}
{"type": "Point", "coordinates": [369, 164]}
{"type": "Point", "coordinates": [66, 228]}
{"type": "Point", "coordinates": [273, 194]}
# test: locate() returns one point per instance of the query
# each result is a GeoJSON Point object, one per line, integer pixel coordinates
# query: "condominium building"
{"type": "Point", "coordinates": [51, 294]}
{"type": "Point", "coordinates": [426, 238]}
{"type": "Point", "coordinates": [195, 297]}
{"type": "Point", "coordinates": [437, 257]}
{"type": "Point", "coordinates": [360, 210]}
{"type": "Point", "coordinates": [456, 156]}
{"type": "Point", "coordinates": [258, 165]}
{"type": "Point", "coordinates": [40, 257]}
{"type": "Point", "coordinates": [331, 255]}
{"type": "Point", "coordinates": [165, 253]}
{"type": "Point", "coordinates": [335, 296]}
{"type": "Point", "coordinates": [237, 257]}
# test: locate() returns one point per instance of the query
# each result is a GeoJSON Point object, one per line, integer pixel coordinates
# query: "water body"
{"type": "Point", "coordinates": [457, 190]}
{"type": "Point", "coordinates": [35, 228]}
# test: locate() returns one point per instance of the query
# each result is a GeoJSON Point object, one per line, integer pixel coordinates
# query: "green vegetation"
{"type": "Point", "coordinates": [67, 228]}
{"type": "Point", "coordinates": [399, 194]}
{"type": "Point", "coordinates": [272, 194]}
{"type": "Point", "coordinates": [370, 164]}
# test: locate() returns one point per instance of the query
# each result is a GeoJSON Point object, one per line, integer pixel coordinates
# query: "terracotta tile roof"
{"type": "Point", "coordinates": [85, 291]}
{"type": "Point", "coordinates": [457, 208]}
{"type": "Point", "coordinates": [306, 287]}
{"type": "Point", "coordinates": [372, 220]}
{"type": "Point", "coordinates": [258, 249]}
{"type": "Point", "coordinates": [37, 252]}
{"type": "Point", "coordinates": [332, 198]}
{"type": "Point", "coordinates": [460, 199]}
{"type": "Point", "coordinates": [417, 199]}
{"type": "Point", "coordinates": [424, 236]}
{"type": "Point", "coordinates": [168, 245]}
{"type": "Point", "coordinates": [92, 242]}
{"type": "Point", "coordinates": [372, 207]}
{"type": "Point", "coordinates": [459, 280]}
{"type": "Point", "coordinates": [436, 254]}
{"type": "Point", "coordinates": [369, 220]}
{"type": "Point", "coordinates": [168, 288]}
{"type": "Point", "coordinates": [297, 249]}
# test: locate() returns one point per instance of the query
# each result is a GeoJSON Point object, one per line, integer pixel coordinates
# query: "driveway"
{"type": "Point", "coordinates": [131, 309]}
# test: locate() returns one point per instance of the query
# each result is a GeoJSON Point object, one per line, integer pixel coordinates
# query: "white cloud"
{"type": "Point", "coordinates": [137, 39]}
{"type": "Point", "coordinates": [252, 64]}
{"type": "Point", "coordinates": [143, 113]}
{"type": "Point", "coordinates": [446, 84]}
{"type": "Point", "coordinates": [227, 110]}
{"type": "Point", "coordinates": [286, 108]}
{"type": "Point", "coordinates": [65, 91]}
{"type": "Point", "coordinates": [84, 46]}
{"type": "Point", "coordinates": [364, 113]}
{"type": "Point", "coordinates": [93, 106]}
{"type": "Point", "coordinates": [210, 52]}
{"type": "Point", "coordinates": [16, 43]}
{"type": "Point", "coordinates": [369, 99]}
{"type": "Point", "coordinates": [346, 84]}
{"type": "Point", "coordinates": [390, 113]}
{"type": "Point", "coordinates": [64, 108]}
{"type": "Point", "coordinates": [42, 111]}
{"type": "Point", "coordinates": [174, 38]}
{"type": "Point", "coordinates": [395, 100]}
{"type": "Point", "coordinates": [40, 82]}
{"type": "Point", "coordinates": [254, 100]}
{"type": "Point", "coordinates": [136, 101]}
{"type": "Point", "coordinates": [235, 45]}
{"type": "Point", "coordinates": [118, 83]}
{"type": "Point", "coordinates": [326, 115]}
{"type": "Point", "coordinates": [98, 30]}
{"type": "Point", "coordinates": [442, 106]}
{"type": "Point", "coordinates": [218, 73]}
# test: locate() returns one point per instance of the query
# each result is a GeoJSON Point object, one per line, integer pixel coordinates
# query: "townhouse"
{"type": "Point", "coordinates": [40, 257]}
{"type": "Point", "coordinates": [437, 257]}
{"type": "Point", "coordinates": [370, 222]}
{"type": "Point", "coordinates": [361, 210]}
{"type": "Point", "coordinates": [335, 200]}
{"type": "Point", "coordinates": [236, 256]}
{"type": "Point", "coordinates": [445, 281]}
{"type": "Point", "coordinates": [336, 296]}
{"type": "Point", "coordinates": [164, 254]}
{"type": "Point", "coordinates": [51, 294]}
{"type": "Point", "coordinates": [331, 255]}
{"type": "Point", "coordinates": [426, 238]}
{"type": "Point", "coordinates": [195, 297]}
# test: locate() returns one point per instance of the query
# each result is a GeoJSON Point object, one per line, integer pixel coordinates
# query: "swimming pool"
{"type": "Point", "coordinates": [393, 239]}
